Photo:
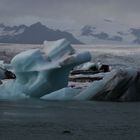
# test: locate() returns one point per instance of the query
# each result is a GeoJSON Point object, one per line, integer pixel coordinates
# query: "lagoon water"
{"type": "Point", "coordinates": [66, 120]}
{"type": "Point", "coordinates": [73, 120]}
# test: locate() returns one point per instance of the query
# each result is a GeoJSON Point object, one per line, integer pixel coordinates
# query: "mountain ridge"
{"type": "Point", "coordinates": [33, 34]}
{"type": "Point", "coordinates": [103, 32]}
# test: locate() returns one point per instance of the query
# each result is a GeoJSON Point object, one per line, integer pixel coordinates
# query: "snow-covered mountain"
{"type": "Point", "coordinates": [108, 32]}
{"type": "Point", "coordinates": [11, 31]}
{"type": "Point", "coordinates": [34, 34]}
{"type": "Point", "coordinates": [100, 32]}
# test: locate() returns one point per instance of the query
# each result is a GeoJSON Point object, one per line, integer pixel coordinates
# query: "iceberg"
{"type": "Point", "coordinates": [40, 72]}
{"type": "Point", "coordinates": [117, 85]}
{"type": "Point", "coordinates": [67, 93]}
{"type": "Point", "coordinates": [44, 73]}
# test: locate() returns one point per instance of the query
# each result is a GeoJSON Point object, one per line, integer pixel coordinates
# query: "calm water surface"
{"type": "Point", "coordinates": [69, 120]}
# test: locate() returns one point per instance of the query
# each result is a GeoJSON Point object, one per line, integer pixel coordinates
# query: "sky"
{"type": "Point", "coordinates": [69, 13]}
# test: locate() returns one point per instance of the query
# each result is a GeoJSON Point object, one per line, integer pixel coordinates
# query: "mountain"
{"type": "Point", "coordinates": [11, 31]}
{"type": "Point", "coordinates": [34, 34]}
{"type": "Point", "coordinates": [100, 32]}
{"type": "Point", "coordinates": [91, 31]}
{"type": "Point", "coordinates": [107, 32]}
{"type": "Point", "coordinates": [136, 33]}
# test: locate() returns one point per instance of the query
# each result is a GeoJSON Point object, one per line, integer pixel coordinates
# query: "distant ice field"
{"type": "Point", "coordinates": [113, 55]}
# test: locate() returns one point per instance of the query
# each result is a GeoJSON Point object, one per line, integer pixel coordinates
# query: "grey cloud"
{"type": "Point", "coordinates": [80, 11]}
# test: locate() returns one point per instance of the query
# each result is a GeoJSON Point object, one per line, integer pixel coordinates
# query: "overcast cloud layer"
{"type": "Point", "coordinates": [69, 12]}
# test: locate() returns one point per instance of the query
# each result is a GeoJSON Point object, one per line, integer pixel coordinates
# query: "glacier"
{"type": "Point", "coordinates": [44, 74]}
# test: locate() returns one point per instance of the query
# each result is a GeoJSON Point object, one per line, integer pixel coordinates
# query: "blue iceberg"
{"type": "Point", "coordinates": [44, 73]}
{"type": "Point", "coordinates": [40, 72]}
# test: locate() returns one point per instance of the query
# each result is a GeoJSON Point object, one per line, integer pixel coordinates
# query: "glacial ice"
{"type": "Point", "coordinates": [117, 85]}
{"type": "Point", "coordinates": [67, 93]}
{"type": "Point", "coordinates": [40, 72]}
{"type": "Point", "coordinates": [43, 73]}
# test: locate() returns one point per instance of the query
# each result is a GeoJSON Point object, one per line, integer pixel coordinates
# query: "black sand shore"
{"type": "Point", "coordinates": [43, 120]}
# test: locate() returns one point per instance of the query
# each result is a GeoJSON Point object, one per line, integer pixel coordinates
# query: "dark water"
{"type": "Point", "coordinates": [71, 120]}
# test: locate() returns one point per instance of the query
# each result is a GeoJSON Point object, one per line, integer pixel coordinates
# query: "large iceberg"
{"type": "Point", "coordinates": [117, 85]}
{"type": "Point", "coordinates": [43, 73]}
{"type": "Point", "coordinates": [40, 72]}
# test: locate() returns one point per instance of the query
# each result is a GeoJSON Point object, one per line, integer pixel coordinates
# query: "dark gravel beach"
{"type": "Point", "coordinates": [84, 120]}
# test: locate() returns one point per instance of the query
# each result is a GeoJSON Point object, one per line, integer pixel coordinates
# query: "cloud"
{"type": "Point", "coordinates": [77, 11]}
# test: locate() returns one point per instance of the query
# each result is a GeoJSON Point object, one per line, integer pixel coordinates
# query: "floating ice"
{"type": "Point", "coordinates": [62, 94]}
{"type": "Point", "coordinates": [44, 74]}
{"type": "Point", "coordinates": [118, 85]}
{"type": "Point", "coordinates": [41, 72]}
